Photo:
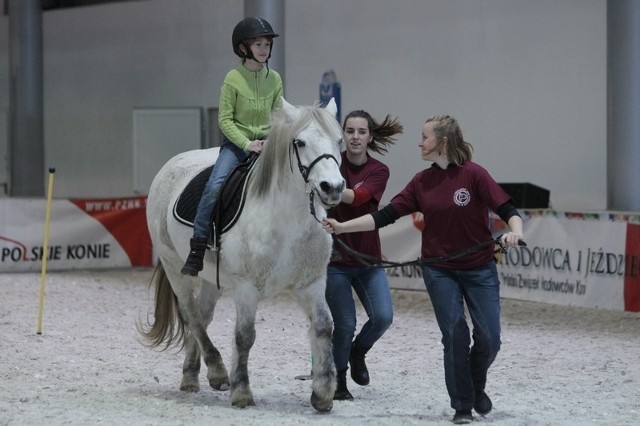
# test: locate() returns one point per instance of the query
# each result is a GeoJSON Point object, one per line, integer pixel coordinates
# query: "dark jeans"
{"type": "Point", "coordinates": [465, 367]}
{"type": "Point", "coordinates": [372, 288]}
{"type": "Point", "coordinates": [229, 157]}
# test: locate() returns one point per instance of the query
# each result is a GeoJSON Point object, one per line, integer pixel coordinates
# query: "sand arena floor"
{"type": "Point", "coordinates": [558, 365]}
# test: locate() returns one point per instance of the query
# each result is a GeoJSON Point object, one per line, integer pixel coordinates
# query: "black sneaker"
{"type": "Point", "coordinates": [342, 395]}
{"type": "Point", "coordinates": [483, 404]}
{"type": "Point", "coordinates": [462, 417]}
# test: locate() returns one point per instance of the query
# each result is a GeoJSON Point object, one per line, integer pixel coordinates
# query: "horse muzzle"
{"type": "Point", "coordinates": [330, 193]}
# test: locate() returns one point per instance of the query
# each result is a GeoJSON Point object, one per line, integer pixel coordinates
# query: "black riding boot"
{"type": "Point", "coordinates": [359, 372]}
{"type": "Point", "coordinates": [342, 393]}
{"type": "Point", "coordinates": [193, 265]}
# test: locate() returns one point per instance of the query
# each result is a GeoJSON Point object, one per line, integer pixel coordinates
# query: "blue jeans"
{"type": "Point", "coordinates": [229, 157]}
{"type": "Point", "coordinates": [465, 368]}
{"type": "Point", "coordinates": [372, 288]}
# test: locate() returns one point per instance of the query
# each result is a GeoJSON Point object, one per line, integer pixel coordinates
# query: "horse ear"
{"type": "Point", "coordinates": [289, 110]}
{"type": "Point", "coordinates": [332, 107]}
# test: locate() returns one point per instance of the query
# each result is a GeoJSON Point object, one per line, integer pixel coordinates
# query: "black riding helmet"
{"type": "Point", "coordinates": [247, 29]}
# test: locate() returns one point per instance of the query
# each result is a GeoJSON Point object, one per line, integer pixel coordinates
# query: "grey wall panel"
{"type": "Point", "coordinates": [526, 79]}
{"type": "Point", "coordinates": [158, 135]}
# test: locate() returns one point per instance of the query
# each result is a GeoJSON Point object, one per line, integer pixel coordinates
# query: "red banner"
{"type": "Point", "coordinates": [125, 219]}
{"type": "Point", "coordinates": [632, 269]}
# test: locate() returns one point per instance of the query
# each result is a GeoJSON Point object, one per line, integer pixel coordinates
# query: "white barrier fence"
{"type": "Point", "coordinates": [84, 234]}
{"type": "Point", "coordinates": [581, 259]}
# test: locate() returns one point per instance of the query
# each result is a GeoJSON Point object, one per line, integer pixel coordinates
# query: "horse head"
{"type": "Point", "coordinates": [311, 137]}
{"type": "Point", "coordinates": [316, 146]}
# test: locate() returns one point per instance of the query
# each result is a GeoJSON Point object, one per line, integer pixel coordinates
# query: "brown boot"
{"type": "Point", "coordinates": [193, 265]}
{"type": "Point", "coordinates": [342, 393]}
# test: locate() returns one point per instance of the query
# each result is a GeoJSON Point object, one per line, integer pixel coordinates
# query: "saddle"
{"type": "Point", "coordinates": [230, 202]}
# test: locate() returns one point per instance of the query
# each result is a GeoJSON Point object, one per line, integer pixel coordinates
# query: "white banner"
{"type": "Point", "coordinates": [105, 233]}
{"type": "Point", "coordinates": [568, 262]}
{"type": "Point", "coordinates": [590, 260]}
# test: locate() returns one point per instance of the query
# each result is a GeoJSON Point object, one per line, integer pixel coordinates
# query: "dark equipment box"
{"type": "Point", "coordinates": [527, 195]}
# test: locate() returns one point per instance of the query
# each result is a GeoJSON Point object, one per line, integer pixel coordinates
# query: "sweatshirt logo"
{"type": "Point", "coordinates": [462, 197]}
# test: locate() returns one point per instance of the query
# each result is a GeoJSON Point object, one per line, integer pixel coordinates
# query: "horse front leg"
{"type": "Point", "coordinates": [245, 336]}
{"type": "Point", "coordinates": [323, 369]}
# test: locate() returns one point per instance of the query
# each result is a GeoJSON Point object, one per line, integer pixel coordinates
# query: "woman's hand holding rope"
{"type": "Point", "coordinates": [330, 225]}
{"type": "Point", "coordinates": [510, 239]}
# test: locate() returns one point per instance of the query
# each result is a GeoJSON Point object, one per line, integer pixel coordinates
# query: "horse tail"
{"type": "Point", "coordinates": [168, 326]}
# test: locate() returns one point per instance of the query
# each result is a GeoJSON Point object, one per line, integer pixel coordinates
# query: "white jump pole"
{"type": "Point", "coordinates": [45, 249]}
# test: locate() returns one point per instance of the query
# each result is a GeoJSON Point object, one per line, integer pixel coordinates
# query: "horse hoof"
{"type": "Point", "coordinates": [193, 388]}
{"type": "Point", "coordinates": [220, 385]}
{"type": "Point", "coordinates": [322, 406]}
{"type": "Point", "coordinates": [243, 403]}
{"type": "Point", "coordinates": [190, 382]}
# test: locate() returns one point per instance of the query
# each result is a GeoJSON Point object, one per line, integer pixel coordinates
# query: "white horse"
{"type": "Point", "coordinates": [276, 245]}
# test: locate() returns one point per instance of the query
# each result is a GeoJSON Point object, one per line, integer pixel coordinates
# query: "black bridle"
{"type": "Point", "coordinates": [306, 170]}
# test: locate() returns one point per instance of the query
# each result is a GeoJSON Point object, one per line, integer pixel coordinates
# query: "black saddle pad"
{"type": "Point", "coordinates": [187, 203]}
{"type": "Point", "coordinates": [230, 202]}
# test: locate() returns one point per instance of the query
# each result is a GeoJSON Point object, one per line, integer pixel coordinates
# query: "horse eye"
{"type": "Point", "coordinates": [299, 143]}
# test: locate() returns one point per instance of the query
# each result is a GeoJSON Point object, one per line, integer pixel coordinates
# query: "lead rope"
{"type": "Point", "coordinates": [381, 263]}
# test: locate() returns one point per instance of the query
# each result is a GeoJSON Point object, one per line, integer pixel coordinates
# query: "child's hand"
{"type": "Point", "coordinates": [256, 146]}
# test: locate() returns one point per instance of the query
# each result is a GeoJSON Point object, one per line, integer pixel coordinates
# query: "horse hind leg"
{"type": "Point", "coordinates": [323, 386]}
{"type": "Point", "coordinates": [216, 371]}
{"type": "Point", "coordinates": [245, 336]}
{"type": "Point", "coordinates": [191, 366]}
{"type": "Point", "coordinates": [197, 314]}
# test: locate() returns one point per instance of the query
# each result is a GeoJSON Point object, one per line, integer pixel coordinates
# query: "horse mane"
{"type": "Point", "coordinates": [276, 163]}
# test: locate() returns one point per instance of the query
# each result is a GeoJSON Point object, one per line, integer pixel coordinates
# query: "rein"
{"type": "Point", "coordinates": [365, 259]}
